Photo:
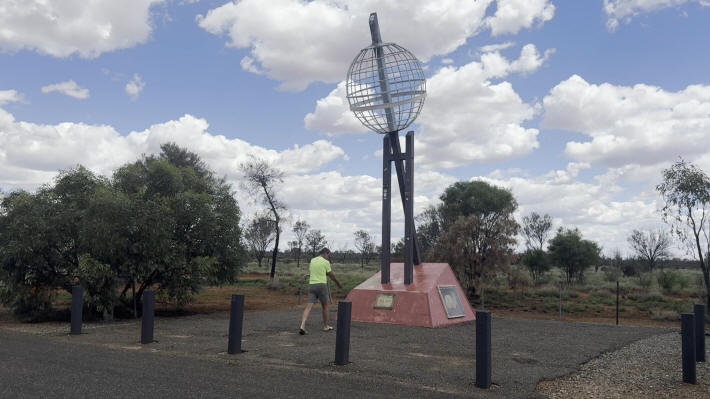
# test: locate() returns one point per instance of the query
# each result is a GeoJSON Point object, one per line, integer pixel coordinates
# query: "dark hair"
{"type": "Point", "coordinates": [324, 251]}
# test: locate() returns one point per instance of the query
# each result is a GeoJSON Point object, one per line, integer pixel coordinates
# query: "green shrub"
{"type": "Point", "coordinates": [671, 281]}
{"type": "Point", "coordinates": [645, 281]}
{"type": "Point", "coordinates": [548, 292]}
{"type": "Point", "coordinates": [611, 274]}
{"type": "Point", "coordinates": [573, 307]}
{"type": "Point", "coordinates": [669, 315]}
{"type": "Point", "coordinates": [519, 278]}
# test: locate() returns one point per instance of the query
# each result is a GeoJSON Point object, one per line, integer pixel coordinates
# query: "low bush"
{"type": "Point", "coordinates": [519, 278]}
{"type": "Point", "coordinates": [671, 281]}
{"type": "Point", "coordinates": [611, 274]}
{"type": "Point", "coordinates": [667, 315]}
{"type": "Point", "coordinates": [645, 281]}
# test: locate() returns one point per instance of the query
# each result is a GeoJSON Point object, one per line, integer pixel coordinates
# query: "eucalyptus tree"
{"type": "Point", "coordinates": [300, 228]}
{"type": "Point", "coordinates": [573, 254]}
{"type": "Point", "coordinates": [651, 246]}
{"type": "Point", "coordinates": [259, 234]}
{"type": "Point", "coordinates": [261, 180]}
{"type": "Point", "coordinates": [685, 189]}
{"type": "Point", "coordinates": [315, 241]}
{"type": "Point", "coordinates": [478, 231]}
{"type": "Point", "coordinates": [364, 245]}
{"type": "Point", "coordinates": [536, 230]}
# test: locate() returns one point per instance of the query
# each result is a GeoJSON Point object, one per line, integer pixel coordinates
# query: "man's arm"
{"type": "Point", "coordinates": [332, 276]}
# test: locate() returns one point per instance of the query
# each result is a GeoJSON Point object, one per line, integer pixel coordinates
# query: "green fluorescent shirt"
{"type": "Point", "coordinates": [319, 269]}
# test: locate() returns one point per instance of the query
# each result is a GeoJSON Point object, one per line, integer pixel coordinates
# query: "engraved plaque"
{"type": "Point", "coordinates": [384, 301]}
{"type": "Point", "coordinates": [451, 301]}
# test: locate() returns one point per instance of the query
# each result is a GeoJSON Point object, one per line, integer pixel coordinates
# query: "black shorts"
{"type": "Point", "coordinates": [318, 292]}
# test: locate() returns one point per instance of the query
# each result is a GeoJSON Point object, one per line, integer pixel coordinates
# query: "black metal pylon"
{"type": "Point", "coordinates": [404, 165]}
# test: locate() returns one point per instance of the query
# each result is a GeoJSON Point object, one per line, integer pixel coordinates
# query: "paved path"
{"type": "Point", "coordinates": [190, 360]}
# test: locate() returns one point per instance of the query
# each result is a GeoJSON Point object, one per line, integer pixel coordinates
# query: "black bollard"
{"type": "Point", "coordinates": [77, 304]}
{"type": "Point", "coordinates": [148, 316]}
{"type": "Point", "coordinates": [699, 310]}
{"type": "Point", "coordinates": [617, 302]}
{"type": "Point", "coordinates": [687, 331]}
{"type": "Point", "coordinates": [483, 349]}
{"type": "Point", "coordinates": [342, 337]}
{"type": "Point", "coordinates": [236, 316]}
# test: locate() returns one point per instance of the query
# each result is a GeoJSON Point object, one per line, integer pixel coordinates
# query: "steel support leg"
{"type": "Point", "coordinates": [409, 211]}
{"type": "Point", "coordinates": [399, 167]}
{"type": "Point", "coordinates": [386, 210]}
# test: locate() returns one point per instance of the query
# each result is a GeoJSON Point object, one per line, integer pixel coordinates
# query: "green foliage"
{"type": "Point", "coordinates": [474, 198]}
{"type": "Point", "coordinates": [478, 231]}
{"type": "Point", "coordinates": [519, 278]}
{"type": "Point", "coordinates": [671, 281]}
{"type": "Point", "coordinates": [99, 282]}
{"type": "Point", "coordinates": [573, 254]}
{"type": "Point", "coordinates": [686, 192]}
{"type": "Point", "coordinates": [611, 274]}
{"type": "Point", "coordinates": [35, 254]}
{"type": "Point", "coordinates": [645, 281]}
{"type": "Point", "coordinates": [164, 221]}
{"type": "Point", "coordinates": [537, 263]}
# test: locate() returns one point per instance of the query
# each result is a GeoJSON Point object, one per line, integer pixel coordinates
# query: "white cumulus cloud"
{"type": "Point", "coordinates": [134, 87]}
{"type": "Point", "coordinates": [624, 10]}
{"type": "Point", "coordinates": [69, 88]}
{"type": "Point", "coordinates": [31, 154]}
{"type": "Point", "coordinates": [9, 96]}
{"type": "Point", "coordinates": [467, 115]}
{"type": "Point", "coordinates": [298, 43]}
{"type": "Point", "coordinates": [61, 28]}
{"type": "Point", "coordinates": [513, 15]}
{"type": "Point", "coordinates": [641, 124]}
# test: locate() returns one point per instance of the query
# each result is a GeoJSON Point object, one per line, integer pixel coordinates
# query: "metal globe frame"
{"type": "Point", "coordinates": [387, 101]}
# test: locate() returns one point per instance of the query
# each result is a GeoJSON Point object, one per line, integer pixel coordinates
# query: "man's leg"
{"type": "Point", "coordinates": [306, 311]}
{"type": "Point", "coordinates": [325, 315]}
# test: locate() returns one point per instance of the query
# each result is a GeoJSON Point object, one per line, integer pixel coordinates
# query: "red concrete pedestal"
{"type": "Point", "coordinates": [416, 304]}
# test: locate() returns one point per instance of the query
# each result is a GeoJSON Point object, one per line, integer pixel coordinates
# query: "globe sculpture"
{"type": "Point", "coordinates": [386, 88]}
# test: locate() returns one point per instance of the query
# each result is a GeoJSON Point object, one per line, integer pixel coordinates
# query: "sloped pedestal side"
{"type": "Point", "coordinates": [418, 304]}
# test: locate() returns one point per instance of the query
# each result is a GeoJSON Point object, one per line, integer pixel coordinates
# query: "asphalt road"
{"type": "Point", "coordinates": [189, 360]}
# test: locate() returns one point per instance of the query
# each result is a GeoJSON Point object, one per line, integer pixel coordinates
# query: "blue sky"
{"type": "Point", "coordinates": [576, 106]}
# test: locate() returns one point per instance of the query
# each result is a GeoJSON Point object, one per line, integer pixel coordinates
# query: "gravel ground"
{"type": "Point", "coordinates": [648, 368]}
{"type": "Point", "coordinates": [386, 360]}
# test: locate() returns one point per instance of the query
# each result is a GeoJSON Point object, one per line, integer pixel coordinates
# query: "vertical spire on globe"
{"type": "Point", "coordinates": [385, 85]}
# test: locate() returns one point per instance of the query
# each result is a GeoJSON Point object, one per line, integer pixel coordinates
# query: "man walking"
{"type": "Point", "coordinates": [318, 287]}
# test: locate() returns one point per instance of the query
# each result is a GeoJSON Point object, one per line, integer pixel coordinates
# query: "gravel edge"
{"type": "Point", "coordinates": [648, 368]}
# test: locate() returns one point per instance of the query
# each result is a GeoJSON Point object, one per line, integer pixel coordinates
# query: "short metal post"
{"type": "Point", "coordinates": [483, 349]}
{"type": "Point", "coordinates": [560, 300]}
{"type": "Point", "coordinates": [135, 307]}
{"type": "Point", "coordinates": [77, 304]}
{"type": "Point", "coordinates": [236, 317]}
{"type": "Point", "coordinates": [699, 310]}
{"type": "Point", "coordinates": [617, 302]}
{"type": "Point", "coordinates": [687, 330]}
{"type": "Point", "coordinates": [148, 317]}
{"type": "Point", "coordinates": [342, 337]}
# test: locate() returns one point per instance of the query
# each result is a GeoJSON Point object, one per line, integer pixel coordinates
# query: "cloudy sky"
{"type": "Point", "coordinates": [576, 106]}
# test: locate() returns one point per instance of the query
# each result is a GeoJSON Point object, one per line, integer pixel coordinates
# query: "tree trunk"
{"type": "Point", "coordinates": [148, 282]}
{"type": "Point", "coordinates": [298, 258]}
{"type": "Point", "coordinates": [275, 253]}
